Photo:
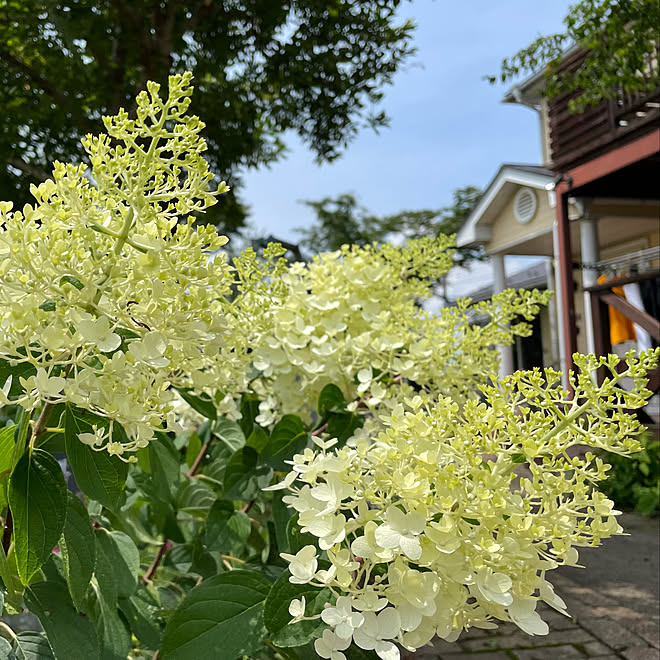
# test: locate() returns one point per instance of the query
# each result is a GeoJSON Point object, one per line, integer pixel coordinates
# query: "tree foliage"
{"type": "Point", "coordinates": [263, 67]}
{"type": "Point", "coordinates": [620, 39]}
{"type": "Point", "coordinates": [343, 221]}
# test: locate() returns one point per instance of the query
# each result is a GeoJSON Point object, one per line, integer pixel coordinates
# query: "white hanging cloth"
{"type": "Point", "coordinates": [634, 297]}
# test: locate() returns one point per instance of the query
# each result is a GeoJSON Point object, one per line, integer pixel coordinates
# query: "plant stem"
{"type": "Point", "coordinates": [146, 578]}
{"type": "Point", "coordinates": [198, 460]}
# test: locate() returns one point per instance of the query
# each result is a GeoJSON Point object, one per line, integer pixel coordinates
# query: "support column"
{"type": "Point", "coordinates": [553, 313]}
{"type": "Point", "coordinates": [589, 254]}
{"type": "Point", "coordinates": [565, 271]}
{"type": "Point", "coordinates": [499, 284]}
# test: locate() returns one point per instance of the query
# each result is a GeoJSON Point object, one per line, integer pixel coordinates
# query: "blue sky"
{"type": "Point", "coordinates": [448, 126]}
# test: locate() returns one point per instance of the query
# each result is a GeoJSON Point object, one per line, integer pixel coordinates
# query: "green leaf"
{"type": "Point", "coordinates": [281, 514]}
{"type": "Point", "coordinates": [124, 558]}
{"type": "Point", "coordinates": [240, 468]}
{"type": "Point", "coordinates": [288, 438]}
{"type": "Point", "coordinates": [7, 443]}
{"type": "Point", "coordinates": [297, 540]}
{"type": "Point", "coordinates": [17, 371]}
{"type": "Point", "coordinates": [143, 615]}
{"type": "Point", "coordinates": [342, 426]}
{"type": "Point", "coordinates": [224, 612]}
{"type": "Point", "coordinates": [74, 281]}
{"type": "Point", "coordinates": [195, 497]}
{"type": "Point", "coordinates": [48, 305]}
{"type": "Point", "coordinates": [165, 466]}
{"type": "Point", "coordinates": [258, 439]}
{"type": "Point", "coordinates": [112, 631]}
{"type": "Point", "coordinates": [78, 550]}
{"type": "Point", "coordinates": [100, 476]}
{"type": "Point", "coordinates": [249, 411]}
{"type": "Point", "coordinates": [34, 646]}
{"type": "Point", "coordinates": [331, 400]}
{"type": "Point", "coordinates": [70, 635]}
{"type": "Point", "coordinates": [230, 433]}
{"type": "Point", "coordinates": [518, 458]}
{"type": "Point", "coordinates": [277, 617]}
{"type": "Point", "coordinates": [354, 652]}
{"type": "Point", "coordinates": [227, 531]}
{"type": "Point", "coordinates": [193, 447]}
{"type": "Point", "coordinates": [202, 403]}
{"type": "Point", "coordinates": [37, 498]}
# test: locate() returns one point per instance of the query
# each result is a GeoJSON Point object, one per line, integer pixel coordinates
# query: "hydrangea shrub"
{"type": "Point", "coordinates": [270, 460]}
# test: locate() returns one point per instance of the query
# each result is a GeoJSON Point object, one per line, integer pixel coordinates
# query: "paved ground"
{"type": "Point", "coordinates": [614, 603]}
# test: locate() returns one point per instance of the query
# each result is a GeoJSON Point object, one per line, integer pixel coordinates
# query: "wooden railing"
{"type": "Point", "coordinates": [602, 296]}
{"type": "Point", "coordinates": [574, 138]}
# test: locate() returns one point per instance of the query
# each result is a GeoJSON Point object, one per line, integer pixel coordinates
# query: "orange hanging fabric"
{"type": "Point", "coordinates": [621, 327]}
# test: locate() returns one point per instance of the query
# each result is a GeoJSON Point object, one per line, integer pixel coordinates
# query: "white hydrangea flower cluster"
{"type": "Point", "coordinates": [104, 295]}
{"type": "Point", "coordinates": [425, 530]}
{"type": "Point", "coordinates": [352, 318]}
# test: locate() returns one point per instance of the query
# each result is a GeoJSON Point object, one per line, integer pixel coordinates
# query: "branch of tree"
{"type": "Point", "coordinates": [32, 170]}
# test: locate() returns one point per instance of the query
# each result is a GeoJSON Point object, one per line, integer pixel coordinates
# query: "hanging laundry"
{"type": "Point", "coordinates": [633, 295]}
{"type": "Point", "coordinates": [621, 327]}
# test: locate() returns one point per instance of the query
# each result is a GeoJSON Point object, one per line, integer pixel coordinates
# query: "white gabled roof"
{"type": "Point", "coordinates": [477, 227]}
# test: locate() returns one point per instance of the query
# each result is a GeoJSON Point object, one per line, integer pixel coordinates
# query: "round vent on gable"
{"type": "Point", "coordinates": [524, 205]}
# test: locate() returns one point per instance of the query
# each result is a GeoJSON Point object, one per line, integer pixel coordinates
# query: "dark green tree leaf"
{"type": "Point", "coordinates": [230, 433]}
{"type": "Point", "coordinates": [78, 550]}
{"type": "Point", "coordinates": [224, 612]}
{"type": "Point", "coordinates": [34, 646]}
{"type": "Point", "coordinates": [202, 403]}
{"type": "Point", "coordinates": [142, 613]}
{"type": "Point", "coordinates": [124, 558]}
{"type": "Point", "coordinates": [38, 500]}
{"type": "Point", "coordinates": [242, 465]}
{"type": "Point", "coordinates": [70, 634]}
{"type": "Point", "coordinates": [331, 400]}
{"type": "Point", "coordinates": [100, 476]}
{"type": "Point", "coordinates": [288, 438]}
{"type": "Point", "coordinates": [277, 617]}
{"type": "Point", "coordinates": [227, 531]}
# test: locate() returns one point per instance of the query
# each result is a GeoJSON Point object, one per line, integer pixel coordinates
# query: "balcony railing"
{"type": "Point", "coordinates": [575, 138]}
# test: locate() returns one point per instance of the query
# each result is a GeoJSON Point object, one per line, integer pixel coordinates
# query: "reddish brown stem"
{"type": "Point", "coordinates": [146, 578]}
{"type": "Point", "coordinates": [320, 429]}
{"type": "Point", "coordinates": [198, 460]}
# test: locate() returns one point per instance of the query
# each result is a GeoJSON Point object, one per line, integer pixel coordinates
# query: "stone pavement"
{"type": "Point", "coordinates": [614, 604]}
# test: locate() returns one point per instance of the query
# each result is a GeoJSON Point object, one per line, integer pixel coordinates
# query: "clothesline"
{"type": "Point", "coordinates": [633, 262]}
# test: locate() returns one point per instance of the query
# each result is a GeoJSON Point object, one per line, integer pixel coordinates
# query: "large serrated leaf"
{"type": "Point", "coordinates": [37, 499]}
{"type": "Point", "coordinates": [78, 550]}
{"type": "Point", "coordinates": [277, 617]}
{"type": "Point", "coordinates": [100, 476]}
{"type": "Point", "coordinates": [70, 634]}
{"type": "Point", "coordinates": [224, 612]}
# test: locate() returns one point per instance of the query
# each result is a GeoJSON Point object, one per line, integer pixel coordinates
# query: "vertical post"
{"type": "Point", "coordinates": [499, 284]}
{"type": "Point", "coordinates": [589, 254]}
{"type": "Point", "coordinates": [565, 267]}
{"type": "Point", "coordinates": [553, 312]}
{"type": "Point", "coordinates": [559, 298]}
